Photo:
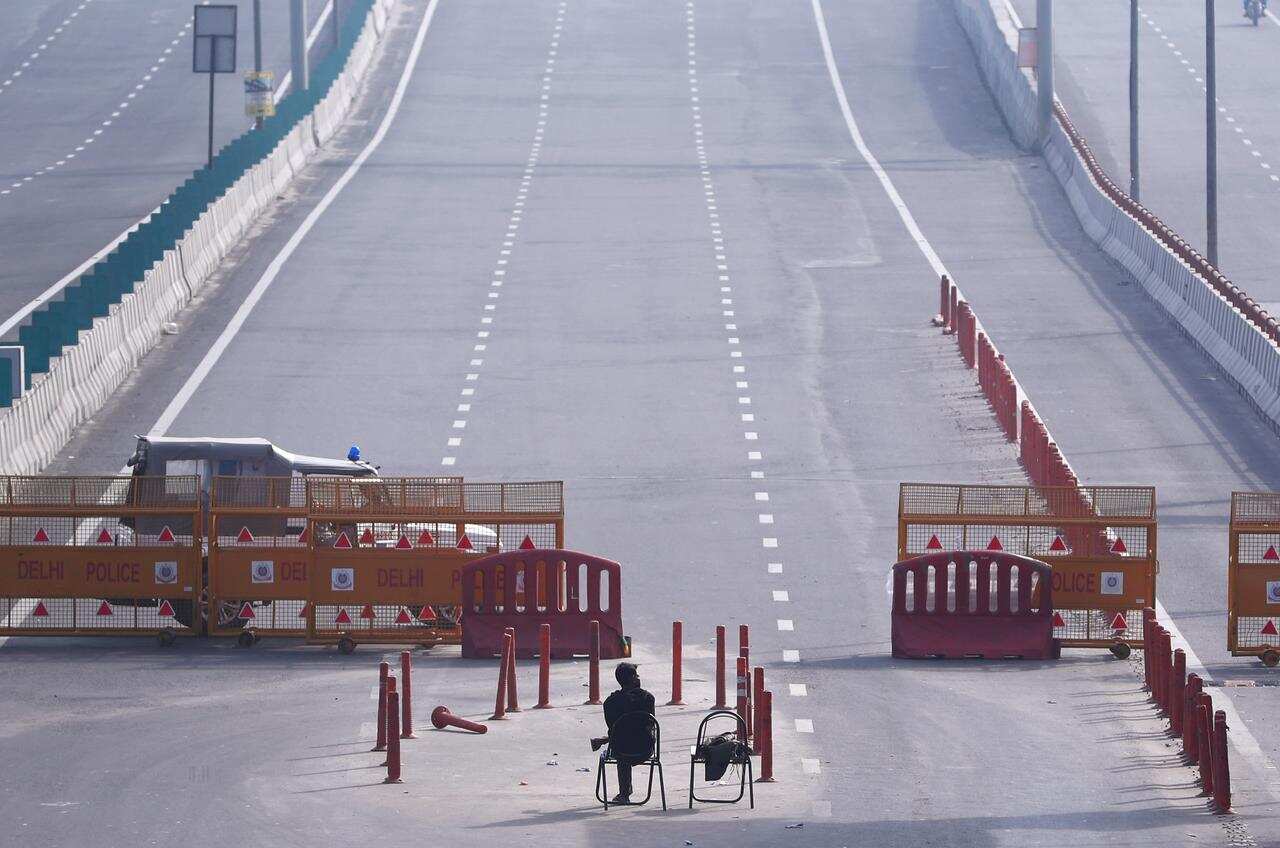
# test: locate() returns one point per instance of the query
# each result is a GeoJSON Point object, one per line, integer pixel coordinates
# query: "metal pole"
{"type": "Point", "coordinates": [1211, 132]}
{"type": "Point", "coordinates": [1133, 99]}
{"type": "Point", "coordinates": [209, 162]}
{"type": "Point", "coordinates": [1044, 65]}
{"type": "Point", "coordinates": [257, 47]}
{"type": "Point", "coordinates": [298, 43]}
{"type": "Point", "coordinates": [337, 29]}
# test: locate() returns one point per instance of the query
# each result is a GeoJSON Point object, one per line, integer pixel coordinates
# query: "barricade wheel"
{"type": "Point", "coordinates": [346, 645]}
{"type": "Point", "coordinates": [166, 637]}
{"type": "Point", "coordinates": [246, 639]}
{"type": "Point", "coordinates": [1120, 650]}
{"type": "Point", "coordinates": [1270, 659]}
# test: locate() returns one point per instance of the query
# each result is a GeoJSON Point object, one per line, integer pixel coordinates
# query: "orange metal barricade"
{"type": "Point", "coordinates": [1100, 541]}
{"type": "Point", "coordinates": [1253, 576]}
{"type": "Point", "coordinates": [259, 560]}
{"type": "Point", "coordinates": [388, 553]}
{"type": "Point", "coordinates": [100, 556]}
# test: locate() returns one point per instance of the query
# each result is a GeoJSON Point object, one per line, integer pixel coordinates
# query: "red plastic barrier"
{"type": "Point", "coordinates": [1176, 687]}
{"type": "Point", "coordinates": [944, 310]}
{"type": "Point", "coordinates": [525, 589]}
{"type": "Point", "coordinates": [406, 696]}
{"type": "Point", "coordinates": [966, 327]}
{"type": "Point", "coordinates": [544, 668]}
{"type": "Point", "coordinates": [765, 735]}
{"type": "Point", "coordinates": [500, 703]}
{"type": "Point", "coordinates": [1204, 733]}
{"type": "Point", "coordinates": [743, 698]}
{"type": "Point", "coordinates": [384, 670]}
{"type": "Point", "coordinates": [721, 703]}
{"type": "Point", "coordinates": [593, 663]}
{"type": "Point", "coordinates": [954, 312]}
{"type": "Point", "coordinates": [961, 622]}
{"type": "Point", "coordinates": [757, 705]}
{"type": "Point", "coordinates": [1221, 765]}
{"type": "Point", "coordinates": [513, 697]}
{"type": "Point", "coordinates": [393, 732]}
{"type": "Point", "coordinates": [1190, 700]}
{"type": "Point", "coordinates": [1148, 631]}
{"type": "Point", "coordinates": [677, 656]}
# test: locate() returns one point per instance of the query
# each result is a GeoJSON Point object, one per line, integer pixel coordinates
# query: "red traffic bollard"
{"type": "Point", "coordinates": [500, 703]}
{"type": "Point", "coordinates": [442, 718]}
{"type": "Point", "coordinates": [513, 700]}
{"type": "Point", "coordinates": [1204, 730]}
{"type": "Point", "coordinates": [743, 700]}
{"type": "Point", "coordinates": [393, 732]}
{"type": "Point", "coordinates": [1221, 764]}
{"type": "Point", "coordinates": [544, 667]}
{"type": "Point", "coordinates": [406, 695]}
{"type": "Point", "coordinates": [764, 732]}
{"type": "Point", "coordinates": [677, 657]}
{"type": "Point", "coordinates": [384, 669]}
{"type": "Point", "coordinates": [721, 702]}
{"type": "Point", "coordinates": [757, 689]}
{"type": "Point", "coordinates": [1148, 631]}
{"type": "Point", "coordinates": [1190, 700]}
{"type": "Point", "coordinates": [1176, 688]}
{"type": "Point", "coordinates": [593, 651]}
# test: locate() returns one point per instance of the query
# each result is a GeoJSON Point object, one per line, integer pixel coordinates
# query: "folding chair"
{"type": "Point", "coordinates": [741, 757]}
{"type": "Point", "coordinates": [634, 724]}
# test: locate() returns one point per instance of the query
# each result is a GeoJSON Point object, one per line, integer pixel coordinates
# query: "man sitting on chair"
{"type": "Point", "coordinates": [637, 746]}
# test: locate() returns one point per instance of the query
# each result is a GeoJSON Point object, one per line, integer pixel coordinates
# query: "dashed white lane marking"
{"type": "Point", "coordinates": [40, 49]}
{"type": "Point", "coordinates": [810, 766]}
{"type": "Point", "coordinates": [790, 656]}
{"type": "Point", "coordinates": [798, 690]}
{"type": "Point", "coordinates": [775, 568]}
{"type": "Point", "coordinates": [804, 725]}
{"type": "Point", "coordinates": [514, 220]}
{"type": "Point", "coordinates": [183, 397]}
{"type": "Point", "coordinates": [781, 596]}
{"type": "Point", "coordinates": [786, 625]}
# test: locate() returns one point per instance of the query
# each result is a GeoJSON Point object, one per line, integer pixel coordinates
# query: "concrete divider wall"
{"type": "Point", "coordinates": [83, 377]}
{"type": "Point", "coordinates": [1218, 318]}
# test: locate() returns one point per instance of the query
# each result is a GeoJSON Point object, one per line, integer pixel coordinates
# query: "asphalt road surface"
{"type": "Point", "coordinates": [634, 247]}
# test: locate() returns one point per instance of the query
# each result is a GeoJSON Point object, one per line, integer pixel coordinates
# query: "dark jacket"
{"type": "Point", "coordinates": [637, 739]}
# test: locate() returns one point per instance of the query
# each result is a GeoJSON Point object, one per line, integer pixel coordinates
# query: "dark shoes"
{"type": "Point", "coordinates": [621, 800]}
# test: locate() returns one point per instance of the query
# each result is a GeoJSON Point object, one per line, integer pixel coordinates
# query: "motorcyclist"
{"type": "Point", "coordinates": [1245, 3]}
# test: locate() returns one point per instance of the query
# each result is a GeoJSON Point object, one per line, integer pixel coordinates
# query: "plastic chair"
{"type": "Point", "coordinates": [741, 757]}
{"type": "Point", "coordinates": [632, 723]}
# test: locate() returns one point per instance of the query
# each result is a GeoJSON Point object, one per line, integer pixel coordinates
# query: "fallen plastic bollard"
{"type": "Point", "coordinates": [442, 718]}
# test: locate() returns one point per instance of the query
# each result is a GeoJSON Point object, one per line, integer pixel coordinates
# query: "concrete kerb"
{"type": "Point", "coordinates": [81, 379]}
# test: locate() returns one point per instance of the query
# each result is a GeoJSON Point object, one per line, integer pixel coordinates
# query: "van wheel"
{"type": "Point", "coordinates": [1120, 650]}
{"type": "Point", "coordinates": [246, 639]}
{"type": "Point", "coordinates": [347, 645]}
{"type": "Point", "coordinates": [1270, 659]}
{"type": "Point", "coordinates": [166, 637]}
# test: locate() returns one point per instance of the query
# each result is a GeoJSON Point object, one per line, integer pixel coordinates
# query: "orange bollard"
{"type": "Point", "coordinates": [442, 718]}
{"type": "Point", "coordinates": [384, 669]}
{"type": "Point", "coordinates": [544, 667]}
{"type": "Point", "coordinates": [765, 726]}
{"type": "Point", "coordinates": [1221, 765]}
{"type": "Point", "coordinates": [593, 691]}
{"type": "Point", "coordinates": [1148, 632]}
{"type": "Point", "coordinates": [1204, 730]}
{"type": "Point", "coordinates": [513, 700]}
{"type": "Point", "coordinates": [757, 689]}
{"type": "Point", "coordinates": [393, 732]}
{"type": "Point", "coordinates": [677, 657]}
{"type": "Point", "coordinates": [743, 702]}
{"type": "Point", "coordinates": [500, 704]}
{"type": "Point", "coordinates": [1190, 700]}
{"type": "Point", "coordinates": [406, 695]}
{"type": "Point", "coordinates": [1177, 685]}
{"type": "Point", "coordinates": [721, 703]}
{"type": "Point", "coordinates": [944, 313]}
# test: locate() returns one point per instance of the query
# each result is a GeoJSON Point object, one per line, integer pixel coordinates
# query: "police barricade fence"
{"type": "Point", "coordinates": [525, 589]}
{"type": "Point", "coordinates": [388, 554]}
{"type": "Point", "coordinates": [1100, 540]}
{"type": "Point", "coordinates": [86, 373]}
{"type": "Point", "coordinates": [99, 556]}
{"type": "Point", "coordinates": [1253, 576]}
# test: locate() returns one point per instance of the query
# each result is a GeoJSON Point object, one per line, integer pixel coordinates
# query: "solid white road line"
{"type": "Point", "coordinates": [211, 358]}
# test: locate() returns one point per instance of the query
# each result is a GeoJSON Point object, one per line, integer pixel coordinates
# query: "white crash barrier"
{"type": "Point", "coordinates": [81, 380]}
{"type": "Point", "coordinates": [1238, 345]}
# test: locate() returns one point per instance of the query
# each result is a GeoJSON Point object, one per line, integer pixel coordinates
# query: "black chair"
{"type": "Point", "coordinates": [633, 725]}
{"type": "Point", "coordinates": [741, 757]}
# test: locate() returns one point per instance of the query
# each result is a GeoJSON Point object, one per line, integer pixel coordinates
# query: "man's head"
{"type": "Point", "coordinates": [627, 675]}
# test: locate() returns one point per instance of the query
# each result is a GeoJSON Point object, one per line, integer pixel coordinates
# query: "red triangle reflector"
{"type": "Point", "coordinates": [1118, 547]}
{"type": "Point", "coordinates": [342, 618]}
{"type": "Point", "coordinates": [104, 538]}
{"type": "Point", "coordinates": [245, 535]}
{"type": "Point", "coordinates": [427, 614]}
{"type": "Point", "coordinates": [404, 543]}
{"type": "Point", "coordinates": [1118, 623]}
{"type": "Point", "coordinates": [367, 612]}
{"type": "Point", "coordinates": [342, 542]}
{"type": "Point", "coordinates": [527, 544]}
{"type": "Point", "coordinates": [994, 544]}
{"type": "Point", "coordinates": [1269, 555]}
{"type": "Point", "coordinates": [105, 609]}
{"type": "Point", "coordinates": [366, 538]}
{"type": "Point", "coordinates": [464, 543]}
{"type": "Point", "coordinates": [41, 611]}
{"type": "Point", "coordinates": [1058, 545]}
{"type": "Point", "coordinates": [166, 535]}
{"type": "Point", "coordinates": [246, 611]}
{"type": "Point", "coordinates": [1057, 619]}
{"type": "Point", "coordinates": [42, 536]}
{"type": "Point", "coordinates": [1269, 629]}
{"type": "Point", "coordinates": [425, 538]}
{"type": "Point", "coordinates": [166, 610]}
{"type": "Point", "coordinates": [403, 617]}
{"type": "Point", "coordinates": [302, 537]}
{"type": "Point", "coordinates": [302, 613]}
{"type": "Point", "coordinates": [934, 544]}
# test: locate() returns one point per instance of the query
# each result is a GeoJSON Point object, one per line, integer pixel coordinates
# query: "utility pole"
{"type": "Point", "coordinates": [257, 47]}
{"type": "Point", "coordinates": [1211, 132]}
{"type": "Point", "coordinates": [298, 42]}
{"type": "Point", "coordinates": [1044, 66]}
{"type": "Point", "coordinates": [1133, 99]}
{"type": "Point", "coordinates": [337, 26]}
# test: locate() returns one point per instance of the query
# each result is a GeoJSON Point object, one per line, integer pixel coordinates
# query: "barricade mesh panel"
{"type": "Point", "coordinates": [382, 621]}
{"type": "Point", "coordinates": [1060, 501]}
{"type": "Point", "coordinates": [1032, 540]}
{"type": "Point", "coordinates": [1249, 632]}
{"type": "Point", "coordinates": [107, 614]}
{"type": "Point", "coordinates": [1255, 508]}
{"type": "Point", "coordinates": [98, 531]}
{"type": "Point", "coordinates": [431, 496]}
{"type": "Point", "coordinates": [104, 493]}
{"type": "Point", "coordinates": [266, 616]}
{"type": "Point", "coordinates": [288, 494]}
{"type": "Point", "coordinates": [1095, 625]}
{"type": "Point", "coordinates": [1258, 549]}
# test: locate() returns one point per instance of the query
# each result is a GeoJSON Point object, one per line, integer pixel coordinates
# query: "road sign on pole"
{"type": "Point", "coordinates": [259, 99]}
{"type": "Point", "coordinates": [214, 50]}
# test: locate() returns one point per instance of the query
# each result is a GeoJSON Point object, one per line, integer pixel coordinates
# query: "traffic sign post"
{"type": "Point", "coordinates": [259, 100]}
{"type": "Point", "coordinates": [214, 50]}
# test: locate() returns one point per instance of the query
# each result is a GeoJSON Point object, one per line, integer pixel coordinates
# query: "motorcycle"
{"type": "Point", "coordinates": [1253, 10]}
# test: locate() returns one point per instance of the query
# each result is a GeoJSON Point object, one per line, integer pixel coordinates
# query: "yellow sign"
{"type": "Point", "coordinates": [259, 99]}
